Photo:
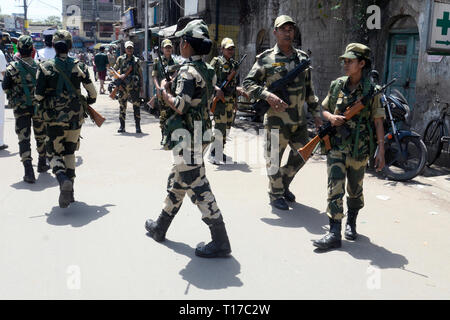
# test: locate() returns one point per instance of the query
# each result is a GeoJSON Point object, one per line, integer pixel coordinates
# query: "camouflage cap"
{"type": "Point", "coordinates": [279, 21]}
{"type": "Point", "coordinates": [227, 43]}
{"type": "Point", "coordinates": [195, 29]}
{"type": "Point", "coordinates": [62, 35]}
{"type": "Point", "coordinates": [356, 50]}
{"type": "Point", "coordinates": [165, 43]}
{"type": "Point", "coordinates": [129, 44]}
{"type": "Point", "coordinates": [24, 42]}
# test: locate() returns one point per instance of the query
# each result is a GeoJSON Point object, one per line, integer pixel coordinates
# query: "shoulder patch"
{"type": "Point", "coordinates": [264, 53]}
{"type": "Point", "coordinates": [302, 53]}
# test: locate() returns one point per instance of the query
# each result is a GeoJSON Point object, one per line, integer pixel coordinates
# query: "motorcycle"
{"type": "Point", "coordinates": [405, 152]}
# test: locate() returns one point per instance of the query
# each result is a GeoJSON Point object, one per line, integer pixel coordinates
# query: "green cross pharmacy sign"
{"type": "Point", "coordinates": [439, 29]}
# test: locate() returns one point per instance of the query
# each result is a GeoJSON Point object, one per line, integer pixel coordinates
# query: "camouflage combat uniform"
{"type": "Point", "coordinates": [62, 109]}
{"type": "Point", "coordinates": [19, 85]}
{"type": "Point", "coordinates": [170, 66]}
{"type": "Point", "coordinates": [348, 156]}
{"type": "Point", "coordinates": [223, 114]}
{"type": "Point", "coordinates": [270, 66]}
{"type": "Point", "coordinates": [193, 90]}
{"type": "Point", "coordinates": [132, 87]}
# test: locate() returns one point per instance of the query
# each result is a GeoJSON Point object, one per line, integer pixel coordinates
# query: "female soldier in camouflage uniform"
{"type": "Point", "coordinates": [351, 146]}
{"type": "Point", "coordinates": [223, 114]}
{"type": "Point", "coordinates": [63, 111]}
{"type": "Point", "coordinates": [193, 89]}
{"type": "Point", "coordinates": [171, 66]}
{"type": "Point", "coordinates": [132, 86]}
{"type": "Point", "coordinates": [19, 85]}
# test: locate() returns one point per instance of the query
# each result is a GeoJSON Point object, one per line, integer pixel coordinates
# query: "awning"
{"type": "Point", "coordinates": [98, 45]}
{"type": "Point", "coordinates": [168, 31]}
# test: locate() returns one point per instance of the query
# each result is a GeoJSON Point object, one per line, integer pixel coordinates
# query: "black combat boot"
{"type": "Point", "coordinates": [122, 126]}
{"type": "Point", "coordinates": [138, 127]}
{"type": "Point", "coordinates": [219, 246]}
{"type": "Point", "coordinates": [66, 188]}
{"type": "Point", "coordinates": [72, 198]}
{"type": "Point", "coordinates": [157, 229]}
{"type": "Point", "coordinates": [350, 227]}
{"type": "Point", "coordinates": [288, 195]}
{"type": "Point", "coordinates": [29, 172]}
{"type": "Point", "coordinates": [333, 238]}
{"type": "Point", "coordinates": [280, 203]}
{"type": "Point", "coordinates": [42, 165]}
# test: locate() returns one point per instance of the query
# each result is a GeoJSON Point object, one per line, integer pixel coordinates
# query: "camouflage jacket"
{"type": "Point", "coordinates": [194, 89]}
{"type": "Point", "coordinates": [359, 129]}
{"type": "Point", "coordinates": [272, 65]}
{"type": "Point", "coordinates": [19, 84]}
{"type": "Point", "coordinates": [134, 79]}
{"type": "Point", "coordinates": [223, 68]}
{"type": "Point", "coordinates": [169, 65]}
{"type": "Point", "coordinates": [58, 102]}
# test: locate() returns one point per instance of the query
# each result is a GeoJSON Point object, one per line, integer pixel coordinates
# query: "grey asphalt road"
{"type": "Point", "coordinates": [98, 247]}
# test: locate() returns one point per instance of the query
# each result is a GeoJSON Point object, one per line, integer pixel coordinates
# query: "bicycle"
{"type": "Point", "coordinates": [436, 133]}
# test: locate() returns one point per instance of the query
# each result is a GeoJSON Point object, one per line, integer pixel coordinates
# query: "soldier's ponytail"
{"type": "Point", "coordinates": [200, 46]}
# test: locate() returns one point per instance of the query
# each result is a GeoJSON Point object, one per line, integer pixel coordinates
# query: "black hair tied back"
{"type": "Point", "coordinates": [200, 46]}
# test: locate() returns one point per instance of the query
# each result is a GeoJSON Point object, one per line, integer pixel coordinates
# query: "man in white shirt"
{"type": "Point", "coordinates": [48, 52]}
{"type": "Point", "coordinates": [2, 100]}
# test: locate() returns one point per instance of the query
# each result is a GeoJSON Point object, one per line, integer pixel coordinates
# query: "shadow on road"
{"type": "Point", "coordinates": [207, 274]}
{"type": "Point", "coordinates": [300, 216]}
{"type": "Point", "coordinates": [234, 166]}
{"type": "Point", "coordinates": [43, 181]}
{"type": "Point", "coordinates": [131, 134]}
{"type": "Point", "coordinates": [78, 214]}
{"type": "Point", "coordinates": [5, 153]}
{"type": "Point", "coordinates": [364, 249]}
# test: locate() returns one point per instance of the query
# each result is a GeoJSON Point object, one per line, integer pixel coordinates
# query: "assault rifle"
{"type": "Point", "coordinates": [327, 130]}
{"type": "Point", "coordinates": [226, 82]}
{"type": "Point", "coordinates": [118, 81]}
{"type": "Point", "coordinates": [279, 87]}
{"type": "Point", "coordinates": [94, 115]}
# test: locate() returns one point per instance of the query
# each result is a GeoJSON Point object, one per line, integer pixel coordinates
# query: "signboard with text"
{"type": "Point", "coordinates": [439, 29]}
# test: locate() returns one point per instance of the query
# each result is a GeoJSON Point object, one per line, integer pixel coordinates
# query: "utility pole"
{"type": "Point", "coordinates": [25, 19]}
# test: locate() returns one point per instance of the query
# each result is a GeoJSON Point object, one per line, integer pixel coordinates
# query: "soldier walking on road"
{"type": "Point", "coordinates": [170, 66]}
{"type": "Point", "coordinates": [19, 85]}
{"type": "Point", "coordinates": [352, 146]}
{"type": "Point", "coordinates": [63, 109]}
{"type": "Point", "coordinates": [223, 114]}
{"type": "Point", "coordinates": [290, 120]}
{"type": "Point", "coordinates": [132, 86]}
{"type": "Point", "coordinates": [193, 89]}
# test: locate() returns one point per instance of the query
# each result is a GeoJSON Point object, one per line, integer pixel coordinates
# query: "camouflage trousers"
{"type": "Point", "coordinates": [24, 122]}
{"type": "Point", "coordinates": [223, 117]}
{"type": "Point", "coordinates": [61, 144]}
{"type": "Point", "coordinates": [163, 113]}
{"type": "Point", "coordinates": [340, 166]}
{"type": "Point", "coordinates": [280, 178]}
{"type": "Point", "coordinates": [190, 179]}
{"type": "Point", "coordinates": [133, 97]}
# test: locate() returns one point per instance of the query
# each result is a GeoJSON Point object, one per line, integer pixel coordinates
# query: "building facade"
{"type": "Point", "coordinates": [91, 21]}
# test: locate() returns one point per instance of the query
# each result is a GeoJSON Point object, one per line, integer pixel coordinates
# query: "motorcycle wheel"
{"type": "Point", "coordinates": [432, 139]}
{"type": "Point", "coordinates": [416, 156]}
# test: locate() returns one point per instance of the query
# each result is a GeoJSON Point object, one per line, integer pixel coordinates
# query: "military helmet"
{"type": "Point", "coordinates": [166, 42]}
{"type": "Point", "coordinates": [280, 20]}
{"type": "Point", "coordinates": [195, 29]}
{"type": "Point", "coordinates": [24, 42]}
{"type": "Point", "coordinates": [62, 35]}
{"type": "Point", "coordinates": [227, 43]}
{"type": "Point", "coordinates": [356, 50]}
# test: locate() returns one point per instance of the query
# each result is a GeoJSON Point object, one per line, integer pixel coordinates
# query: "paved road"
{"type": "Point", "coordinates": [98, 247]}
